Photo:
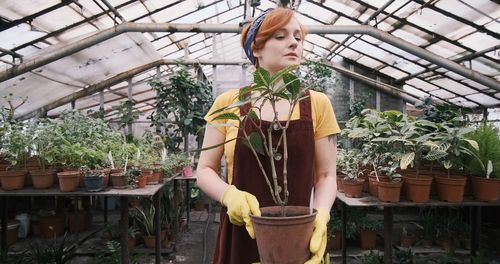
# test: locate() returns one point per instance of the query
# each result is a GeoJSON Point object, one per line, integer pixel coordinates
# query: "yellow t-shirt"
{"type": "Point", "coordinates": [323, 118]}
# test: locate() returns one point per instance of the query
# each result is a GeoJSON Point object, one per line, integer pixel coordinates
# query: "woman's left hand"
{"type": "Point", "coordinates": [317, 246]}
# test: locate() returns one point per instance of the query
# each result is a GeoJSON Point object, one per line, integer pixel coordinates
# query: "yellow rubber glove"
{"type": "Point", "coordinates": [239, 206]}
{"type": "Point", "coordinates": [317, 246]}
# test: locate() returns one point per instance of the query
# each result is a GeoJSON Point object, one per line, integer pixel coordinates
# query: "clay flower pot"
{"type": "Point", "coordinates": [68, 180]}
{"type": "Point", "coordinates": [13, 179]}
{"type": "Point", "coordinates": [42, 179]}
{"type": "Point", "coordinates": [118, 180]}
{"type": "Point", "coordinates": [450, 189]}
{"type": "Point", "coordinates": [389, 191]}
{"type": "Point", "coordinates": [367, 239]}
{"type": "Point", "coordinates": [485, 190]}
{"type": "Point", "coordinates": [284, 239]}
{"type": "Point", "coordinates": [353, 188]}
{"type": "Point", "coordinates": [418, 189]}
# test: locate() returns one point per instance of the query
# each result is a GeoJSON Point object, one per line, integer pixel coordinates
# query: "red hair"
{"type": "Point", "coordinates": [274, 21]}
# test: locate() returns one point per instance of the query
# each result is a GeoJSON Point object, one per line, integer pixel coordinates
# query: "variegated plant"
{"type": "Point", "coordinates": [267, 89]}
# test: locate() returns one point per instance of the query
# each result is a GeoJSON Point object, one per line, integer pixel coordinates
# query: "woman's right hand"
{"type": "Point", "coordinates": [240, 205]}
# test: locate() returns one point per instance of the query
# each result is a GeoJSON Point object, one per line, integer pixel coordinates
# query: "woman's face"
{"type": "Point", "coordinates": [284, 48]}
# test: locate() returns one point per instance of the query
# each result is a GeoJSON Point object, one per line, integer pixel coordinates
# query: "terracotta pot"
{"type": "Point", "coordinates": [426, 243]}
{"type": "Point", "coordinates": [353, 188]}
{"type": "Point", "coordinates": [334, 241]}
{"type": "Point", "coordinates": [141, 181]}
{"type": "Point", "coordinates": [131, 243]}
{"type": "Point", "coordinates": [118, 180]}
{"type": "Point", "coordinates": [340, 187]}
{"type": "Point", "coordinates": [79, 222]}
{"type": "Point", "coordinates": [149, 241]}
{"type": "Point", "coordinates": [52, 226]}
{"type": "Point", "coordinates": [13, 179]}
{"type": "Point", "coordinates": [485, 190]}
{"type": "Point", "coordinates": [447, 244]}
{"type": "Point", "coordinates": [408, 240]}
{"type": "Point", "coordinates": [367, 239]}
{"type": "Point", "coordinates": [68, 180]}
{"type": "Point", "coordinates": [389, 191]}
{"type": "Point", "coordinates": [42, 179]}
{"type": "Point", "coordinates": [450, 189]}
{"type": "Point", "coordinates": [372, 184]}
{"type": "Point", "coordinates": [153, 177]}
{"type": "Point", "coordinates": [12, 229]}
{"type": "Point", "coordinates": [366, 183]}
{"type": "Point", "coordinates": [418, 189]}
{"type": "Point", "coordinates": [105, 179]}
{"type": "Point", "coordinates": [284, 239]}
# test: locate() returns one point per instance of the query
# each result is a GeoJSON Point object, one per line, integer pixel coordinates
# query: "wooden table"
{"type": "Point", "coordinates": [370, 201]}
{"type": "Point", "coordinates": [151, 191]}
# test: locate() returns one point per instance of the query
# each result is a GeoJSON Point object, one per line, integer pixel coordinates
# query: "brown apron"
{"type": "Point", "coordinates": [234, 245]}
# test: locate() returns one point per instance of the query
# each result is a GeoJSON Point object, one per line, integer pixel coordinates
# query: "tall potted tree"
{"type": "Point", "coordinates": [275, 220]}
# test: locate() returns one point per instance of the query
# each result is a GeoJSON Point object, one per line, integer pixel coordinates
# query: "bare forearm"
{"type": "Point", "coordinates": [325, 191]}
{"type": "Point", "coordinates": [210, 183]}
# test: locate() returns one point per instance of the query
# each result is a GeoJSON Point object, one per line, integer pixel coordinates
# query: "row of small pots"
{"type": "Point", "coordinates": [418, 189]}
{"type": "Point", "coordinates": [71, 180]}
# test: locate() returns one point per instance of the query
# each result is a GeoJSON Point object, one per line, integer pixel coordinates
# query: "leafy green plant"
{"type": "Point", "coordinates": [260, 141]}
{"type": "Point", "coordinates": [132, 175]}
{"type": "Point", "coordinates": [427, 224]}
{"type": "Point", "coordinates": [113, 255]}
{"type": "Point", "coordinates": [181, 104]}
{"type": "Point", "coordinates": [405, 256]}
{"type": "Point", "coordinates": [15, 258]}
{"type": "Point", "coordinates": [349, 161]}
{"type": "Point", "coordinates": [125, 113]}
{"type": "Point", "coordinates": [57, 252]}
{"type": "Point", "coordinates": [488, 140]}
{"type": "Point", "coordinates": [370, 258]}
{"type": "Point", "coordinates": [365, 223]}
{"type": "Point", "coordinates": [145, 217]}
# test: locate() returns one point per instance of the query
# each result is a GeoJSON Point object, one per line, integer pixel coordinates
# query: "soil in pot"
{"type": "Point", "coordinates": [284, 239]}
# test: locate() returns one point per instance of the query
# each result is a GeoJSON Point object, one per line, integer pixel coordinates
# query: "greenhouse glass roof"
{"type": "Point", "coordinates": [37, 59]}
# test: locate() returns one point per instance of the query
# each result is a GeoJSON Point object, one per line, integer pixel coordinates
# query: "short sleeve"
{"type": "Point", "coordinates": [221, 101]}
{"type": "Point", "coordinates": [325, 120]}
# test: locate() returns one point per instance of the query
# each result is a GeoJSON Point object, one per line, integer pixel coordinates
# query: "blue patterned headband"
{"type": "Point", "coordinates": [252, 33]}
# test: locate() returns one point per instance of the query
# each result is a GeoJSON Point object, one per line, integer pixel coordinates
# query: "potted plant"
{"type": "Point", "coordinates": [485, 163]}
{"type": "Point", "coordinates": [370, 258]}
{"type": "Point", "coordinates": [353, 186]}
{"type": "Point", "coordinates": [135, 177]}
{"type": "Point", "coordinates": [368, 232]}
{"type": "Point", "coordinates": [405, 256]}
{"type": "Point", "coordinates": [449, 146]}
{"type": "Point", "coordinates": [269, 146]}
{"type": "Point", "coordinates": [93, 179]}
{"type": "Point", "coordinates": [389, 188]}
{"type": "Point", "coordinates": [15, 150]}
{"type": "Point", "coordinates": [145, 217]}
{"type": "Point", "coordinates": [43, 140]}
{"type": "Point", "coordinates": [407, 238]}
{"type": "Point", "coordinates": [427, 225]}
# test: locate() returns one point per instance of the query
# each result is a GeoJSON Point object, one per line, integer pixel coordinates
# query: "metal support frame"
{"type": "Point", "coordinates": [395, 91]}
{"type": "Point", "coordinates": [3, 234]}
{"type": "Point", "coordinates": [388, 219]}
{"type": "Point", "coordinates": [226, 28]}
{"type": "Point", "coordinates": [124, 226]}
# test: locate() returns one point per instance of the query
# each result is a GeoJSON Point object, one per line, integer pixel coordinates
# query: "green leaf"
{"type": "Point", "coordinates": [254, 141]}
{"type": "Point", "coordinates": [473, 143]}
{"type": "Point", "coordinates": [225, 116]}
{"type": "Point", "coordinates": [280, 74]}
{"type": "Point", "coordinates": [261, 77]}
{"type": "Point", "coordinates": [435, 154]}
{"type": "Point", "coordinates": [447, 164]}
{"type": "Point", "coordinates": [406, 160]}
{"type": "Point", "coordinates": [252, 115]}
{"type": "Point", "coordinates": [292, 83]}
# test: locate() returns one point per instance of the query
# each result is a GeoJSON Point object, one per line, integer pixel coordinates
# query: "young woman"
{"type": "Point", "coordinates": [272, 41]}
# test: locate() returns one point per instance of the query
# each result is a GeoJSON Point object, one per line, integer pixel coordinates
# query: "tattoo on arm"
{"type": "Point", "coordinates": [332, 138]}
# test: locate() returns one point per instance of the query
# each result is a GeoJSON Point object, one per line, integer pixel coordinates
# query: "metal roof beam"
{"type": "Point", "coordinates": [28, 19]}
{"type": "Point", "coordinates": [92, 89]}
{"type": "Point", "coordinates": [104, 35]}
